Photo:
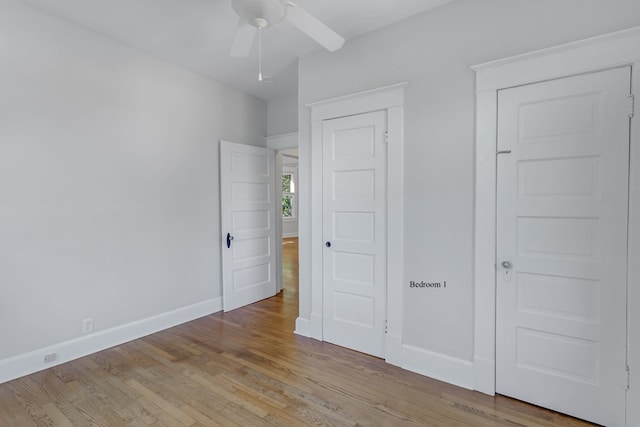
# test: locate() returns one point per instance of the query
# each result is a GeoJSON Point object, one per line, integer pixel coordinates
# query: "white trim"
{"type": "Point", "coordinates": [439, 366]}
{"type": "Point", "coordinates": [293, 171]}
{"type": "Point", "coordinates": [633, 410]}
{"type": "Point", "coordinates": [485, 233]}
{"type": "Point", "coordinates": [315, 192]}
{"type": "Point", "coordinates": [316, 326]}
{"type": "Point", "coordinates": [391, 99]}
{"type": "Point", "coordinates": [33, 361]}
{"type": "Point", "coordinates": [594, 54]}
{"type": "Point", "coordinates": [395, 233]}
{"type": "Point", "coordinates": [380, 98]}
{"type": "Point", "coordinates": [303, 327]}
{"type": "Point", "coordinates": [279, 226]}
{"type": "Point", "coordinates": [285, 235]}
{"type": "Point", "coordinates": [281, 142]}
{"type": "Point", "coordinates": [582, 56]}
{"type": "Point", "coordinates": [633, 301]}
{"type": "Point", "coordinates": [484, 375]}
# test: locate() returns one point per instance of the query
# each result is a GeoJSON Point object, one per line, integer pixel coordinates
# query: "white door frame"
{"type": "Point", "coordinates": [391, 99]}
{"type": "Point", "coordinates": [599, 53]}
{"type": "Point", "coordinates": [277, 143]}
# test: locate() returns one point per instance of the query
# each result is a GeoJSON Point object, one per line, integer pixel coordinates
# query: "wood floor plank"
{"type": "Point", "coordinates": [248, 368]}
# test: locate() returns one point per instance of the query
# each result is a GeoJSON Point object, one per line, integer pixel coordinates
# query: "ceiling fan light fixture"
{"type": "Point", "coordinates": [260, 23]}
{"type": "Point", "coordinates": [260, 13]}
{"type": "Point", "coordinates": [256, 15]}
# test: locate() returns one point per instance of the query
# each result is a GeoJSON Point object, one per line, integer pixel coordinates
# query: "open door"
{"type": "Point", "coordinates": [248, 224]}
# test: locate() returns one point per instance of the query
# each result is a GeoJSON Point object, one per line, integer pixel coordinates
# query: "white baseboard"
{"type": "Point", "coordinates": [310, 328]}
{"type": "Point", "coordinates": [484, 375]}
{"type": "Point", "coordinates": [633, 409]}
{"type": "Point", "coordinates": [316, 326]}
{"type": "Point", "coordinates": [438, 366]}
{"type": "Point", "coordinates": [393, 349]}
{"type": "Point", "coordinates": [33, 361]}
{"type": "Point", "coordinates": [285, 235]}
{"type": "Point", "coordinates": [303, 327]}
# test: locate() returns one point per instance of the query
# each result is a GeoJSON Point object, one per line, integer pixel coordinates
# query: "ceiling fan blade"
{"type": "Point", "coordinates": [315, 29]}
{"type": "Point", "coordinates": [243, 39]}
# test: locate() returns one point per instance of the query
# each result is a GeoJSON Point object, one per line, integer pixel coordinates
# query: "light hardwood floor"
{"type": "Point", "coordinates": [247, 368]}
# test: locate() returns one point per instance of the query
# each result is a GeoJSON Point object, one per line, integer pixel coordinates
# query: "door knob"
{"type": "Point", "coordinates": [328, 244]}
{"type": "Point", "coordinates": [506, 270]}
{"type": "Point", "coordinates": [229, 239]}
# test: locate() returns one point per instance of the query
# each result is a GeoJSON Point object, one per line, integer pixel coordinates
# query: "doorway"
{"type": "Point", "coordinates": [290, 270]}
{"type": "Point", "coordinates": [289, 216]}
{"type": "Point", "coordinates": [573, 59]}
{"type": "Point", "coordinates": [354, 228]}
{"type": "Point", "coordinates": [562, 209]}
{"type": "Point", "coordinates": [287, 212]}
{"type": "Point", "coordinates": [388, 100]}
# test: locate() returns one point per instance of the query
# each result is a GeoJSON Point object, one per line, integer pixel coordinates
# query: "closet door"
{"type": "Point", "coordinates": [563, 157]}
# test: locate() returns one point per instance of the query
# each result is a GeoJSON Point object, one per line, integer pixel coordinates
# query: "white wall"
{"type": "Point", "coordinates": [108, 180]}
{"type": "Point", "coordinates": [282, 115]}
{"type": "Point", "coordinates": [433, 52]}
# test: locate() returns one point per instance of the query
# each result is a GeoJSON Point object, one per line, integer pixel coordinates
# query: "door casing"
{"type": "Point", "coordinates": [278, 143]}
{"type": "Point", "coordinates": [391, 99]}
{"type": "Point", "coordinates": [590, 55]}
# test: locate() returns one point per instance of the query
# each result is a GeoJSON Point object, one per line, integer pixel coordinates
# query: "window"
{"type": "Point", "coordinates": [289, 194]}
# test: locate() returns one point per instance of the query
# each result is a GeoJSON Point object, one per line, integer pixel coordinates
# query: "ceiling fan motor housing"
{"type": "Point", "coordinates": [260, 13]}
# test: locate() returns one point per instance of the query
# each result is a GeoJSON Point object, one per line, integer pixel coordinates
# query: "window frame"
{"type": "Point", "coordinates": [292, 171]}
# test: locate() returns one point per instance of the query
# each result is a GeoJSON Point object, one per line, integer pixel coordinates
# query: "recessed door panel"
{"type": "Point", "coordinates": [354, 268]}
{"type": "Point", "coordinates": [564, 297]}
{"type": "Point", "coordinates": [251, 192]}
{"type": "Point", "coordinates": [354, 226]}
{"type": "Point", "coordinates": [559, 237]}
{"type": "Point", "coordinates": [578, 177]}
{"type": "Point", "coordinates": [357, 310]}
{"type": "Point", "coordinates": [246, 220]}
{"type": "Point", "coordinates": [249, 164]}
{"type": "Point", "coordinates": [251, 248]}
{"type": "Point", "coordinates": [250, 277]}
{"type": "Point", "coordinates": [564, 117]}
{"type": "Point", "coordinates": [569, 358]}
{"type": "Point", "coordinates": [355, 143]}
{"type": "Point", "coordinates": [354, 185]}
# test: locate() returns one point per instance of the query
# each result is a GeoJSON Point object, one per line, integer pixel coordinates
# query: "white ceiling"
{"type": "Point", "coordinates": [197, 34]}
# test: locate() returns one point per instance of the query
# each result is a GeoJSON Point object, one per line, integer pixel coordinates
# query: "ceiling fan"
{"type": "Point", "coordinates": [255, 15]}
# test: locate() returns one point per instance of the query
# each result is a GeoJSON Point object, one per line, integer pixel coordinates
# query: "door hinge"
{"type": "Point", "coordinates": [626, 378]}
{"type": "Point", "coordinates": [386, 136]}
{"type": "Point", "coordinates": [386, 326]}
{"type": "Point", "coordinates": [632, 105]}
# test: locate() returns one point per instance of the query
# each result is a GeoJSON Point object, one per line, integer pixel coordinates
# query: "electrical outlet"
{"type": "Point", "coordinates": [87, 325]}
{"type": "Point", "coordinates": [48, 358]}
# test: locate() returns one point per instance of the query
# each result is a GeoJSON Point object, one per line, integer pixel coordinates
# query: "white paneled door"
{"type": "Point", "coordinates": [354, 230]}
{"type": "Point", "coordinates": [247, 199]}
{"type": "Point", "coordinates": [563, 157]}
